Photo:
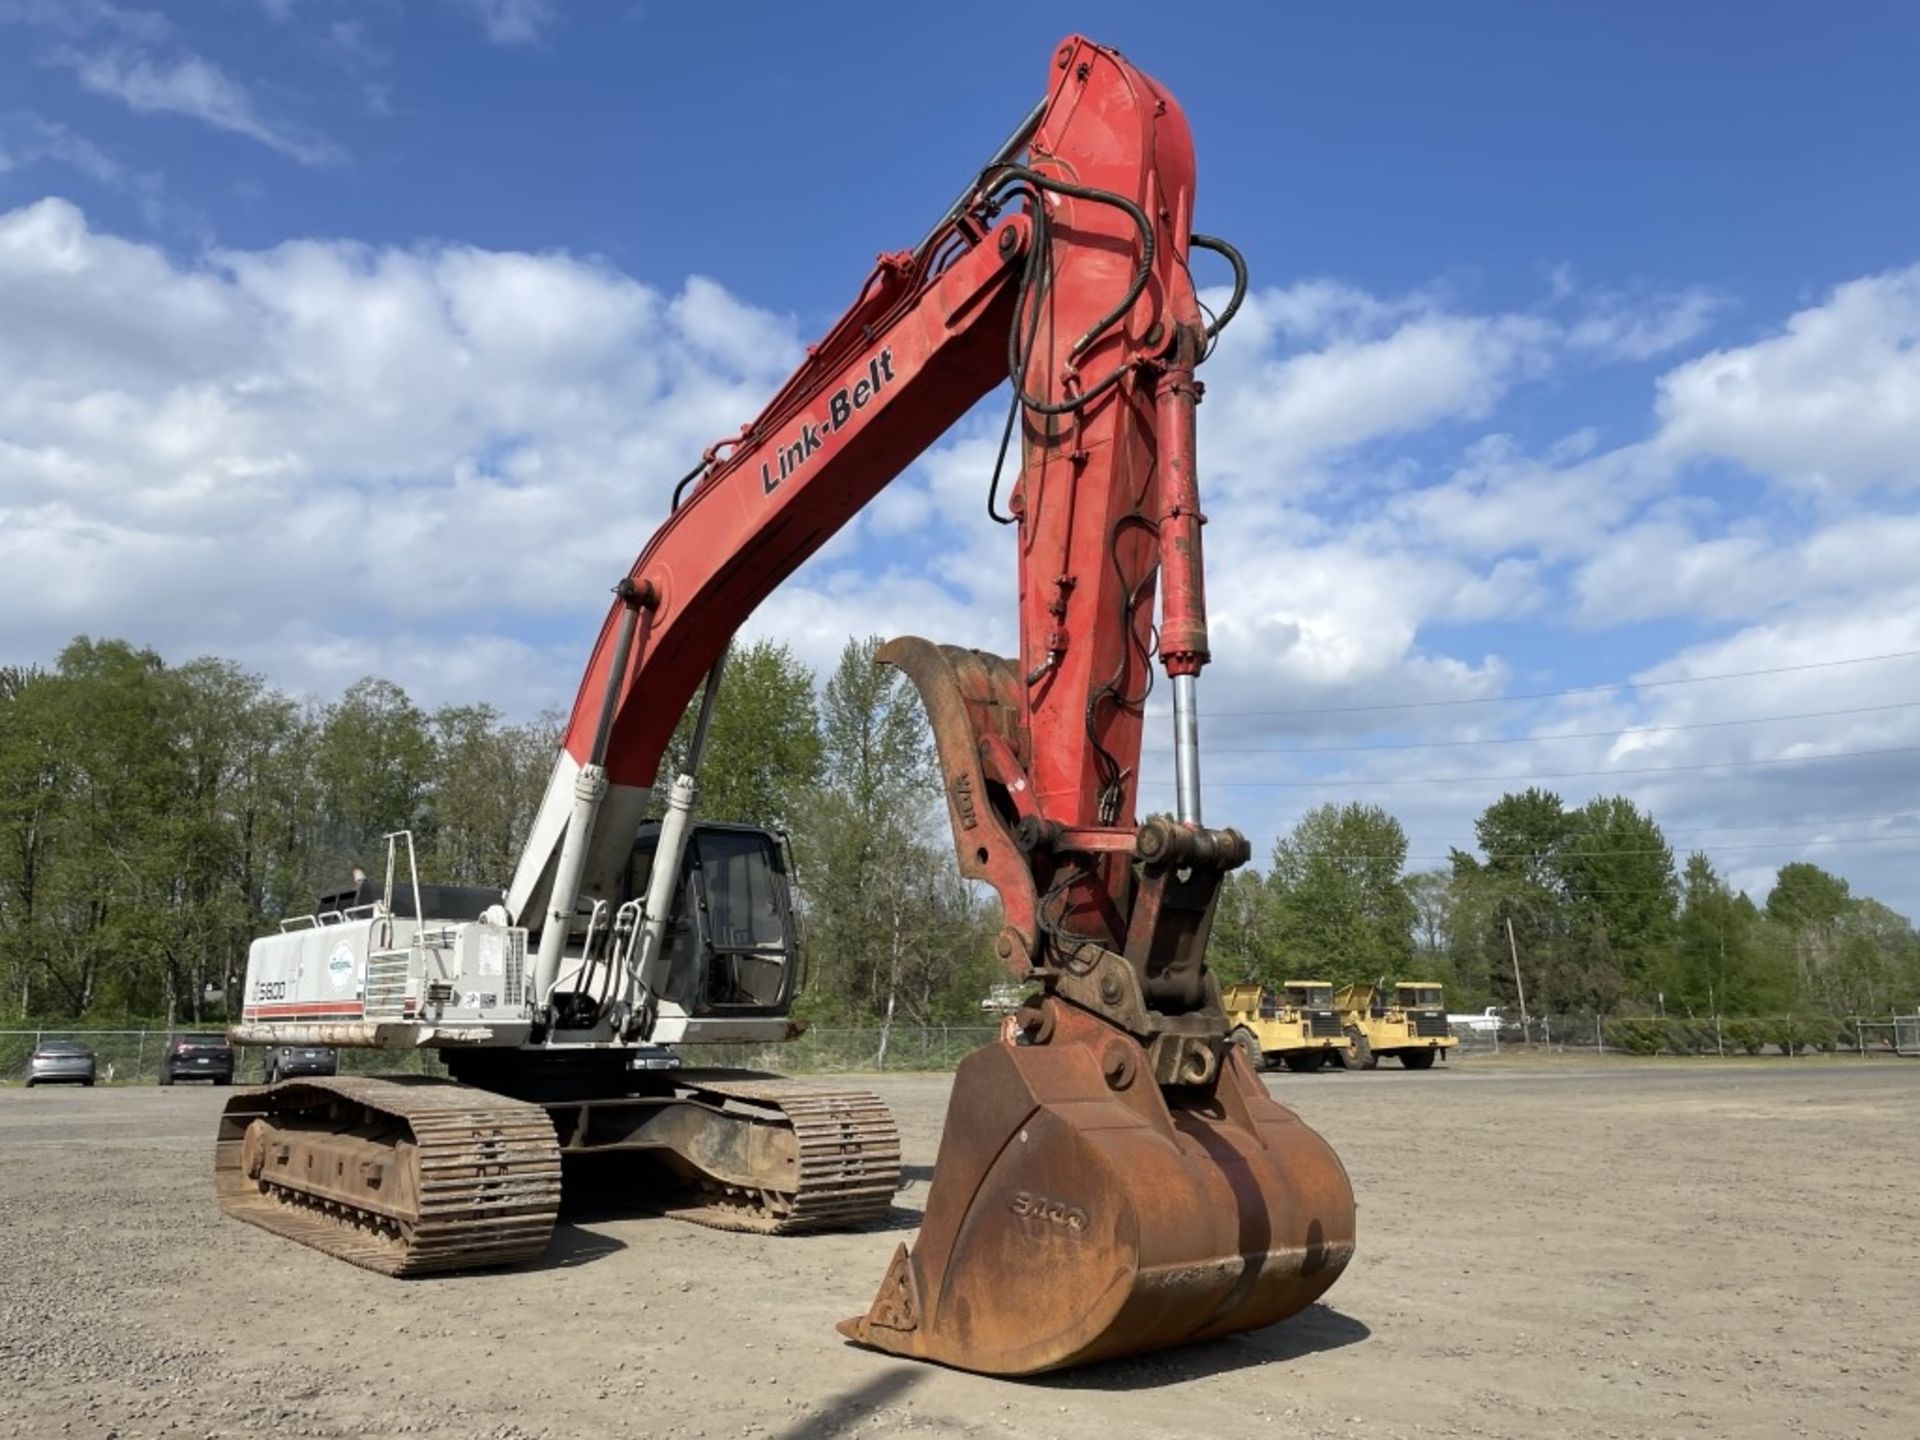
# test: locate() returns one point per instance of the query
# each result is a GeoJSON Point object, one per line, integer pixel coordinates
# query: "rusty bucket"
{"type": "Point", "coordinates": [1080, 1212]}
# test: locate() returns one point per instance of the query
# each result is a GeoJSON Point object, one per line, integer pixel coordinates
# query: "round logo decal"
{"type": "Point", "coordinates": [340, 966]}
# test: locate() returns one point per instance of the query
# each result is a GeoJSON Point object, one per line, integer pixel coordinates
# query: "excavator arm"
{"type": "Point", "coordinates": [1084, 298]}
{"type": "Point", "coordinates": [1113, 1177]}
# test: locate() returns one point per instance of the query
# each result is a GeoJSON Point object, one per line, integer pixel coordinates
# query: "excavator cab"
{"type": "Point", "coordinates": [732, 945]}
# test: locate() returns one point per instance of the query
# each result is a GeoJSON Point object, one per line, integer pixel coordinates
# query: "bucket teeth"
{"type": "Point", "coordinates": [1078, 1213]}
{"type": "Point", "coordinates": [896, 1307]}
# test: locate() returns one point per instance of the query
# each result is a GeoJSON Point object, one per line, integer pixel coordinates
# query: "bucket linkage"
{"type": "Point", "coordinates": [1113, 1176]}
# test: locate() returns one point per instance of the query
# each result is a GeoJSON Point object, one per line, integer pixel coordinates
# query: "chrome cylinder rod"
{"type": "Point", "coordinates": [697, 748]}
{"type": "Point", "coordinates": [1186, 751]}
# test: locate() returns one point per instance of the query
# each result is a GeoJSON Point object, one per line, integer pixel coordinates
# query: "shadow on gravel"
{"type": "Point", "coordinates": [1313, 1330]}
{"type": "Point", "coordinates": [898, 1217]}
{"type": "Point", "coordinates": [573, 1246]}
{"type": "Point", "coordinates": [843, 1416]}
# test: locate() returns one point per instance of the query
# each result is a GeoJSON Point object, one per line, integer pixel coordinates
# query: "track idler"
{"type": "Point", "coordinates": [1080, 1211]}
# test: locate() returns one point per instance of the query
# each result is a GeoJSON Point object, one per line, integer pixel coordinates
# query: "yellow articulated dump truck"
{"type": "Point", "coordinates": [1299, 1026]}
{"type": "Point", "coordinates": [1410, 1023]}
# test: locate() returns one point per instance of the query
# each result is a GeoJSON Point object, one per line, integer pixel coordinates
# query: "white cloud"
{"type": "Point", "coordinates": [27, 139]}
{"type": "Point", "coordinates": [509, 22]}
{"type": "Point", "coordinates": [1380, 369]}
{"type": "Point", "coordinates": [329, 434]}
{"type": "Point", "coordinates": [190, 85]}
{"type": "Point", "coordinates": [1617, 327]}
{"type": "Point", "coordinates": [30, 138]}
{"type": "Point", "coordinates": [1664, 568]}
{"type": "Point", "coordinates": [79, 17]}
{"type": "Point", "coordinates": [1832, 402]}
{"type": "Point", "coordinates": [349, 46]}
{"type": "Point", "coordinates": [136, 57]}
{"type": "Point", "coordinates": [1498, 500]}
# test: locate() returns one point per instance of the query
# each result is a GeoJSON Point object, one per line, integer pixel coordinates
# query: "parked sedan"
{"type": "Point", "coordinates": [284, 1062]}
{"type": "Point", "coordinates": [197, 1057]}
{"type": "Point", "coordinates": [55, 1061]}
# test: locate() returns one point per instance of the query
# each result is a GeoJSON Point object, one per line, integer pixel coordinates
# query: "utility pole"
{"type": "Point", "coordinates": [1519, 989]}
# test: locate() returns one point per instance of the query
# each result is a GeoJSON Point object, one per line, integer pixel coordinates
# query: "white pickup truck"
{"type": "Point", "coordinates": [1486, 1022]}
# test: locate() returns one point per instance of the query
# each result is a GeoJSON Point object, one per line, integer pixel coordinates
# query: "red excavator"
{"type": "Point", "coordinates": [1113, 1177]}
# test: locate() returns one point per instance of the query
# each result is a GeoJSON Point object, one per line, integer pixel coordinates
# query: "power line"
{"type": "Point", "coordinates": [1808, 820]}
{"type": "Point", "coordinates": [1693, 831]}
{"type": "Point", "coordinates": [1534, 739]}
{"type": "Point", "coordinates": [1341, 784]}
{"type": "Point", "coordinates": [1910, 836]}
{"type": "Point", "coordinates": [1575, 690]}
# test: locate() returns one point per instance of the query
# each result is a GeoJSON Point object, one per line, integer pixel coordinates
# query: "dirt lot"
{"type": "Point", "coordinates": [1631, 1250]}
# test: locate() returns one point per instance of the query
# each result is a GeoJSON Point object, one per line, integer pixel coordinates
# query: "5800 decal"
{"type": "Point", "coordinates": [269, 990]}
{"type": "Point", "coordinates": [1055, 1212]}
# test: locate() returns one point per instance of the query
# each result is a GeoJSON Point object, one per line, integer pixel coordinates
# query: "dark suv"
{"type": "Point", "coordinates": [197, 1057]}
{"type": "Point", "coordinates": [284, 1062]}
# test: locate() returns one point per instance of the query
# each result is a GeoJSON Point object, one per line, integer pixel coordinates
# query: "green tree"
{"type": "Point", "coordinates": [110, 886]}
{"type": "Point", "coordinates": [488, 777]}
{"type": "Point", "coordinates": [235, 742]}
{"type": "Point", "coordinates": [35, 779]}
{"type": "Point", "coordinates": [1804, 895]}
{"type": "Point", "coordinates": [1521, 836]}
{"type": "Point", "coordinates": [1718, 964]}
{"type": "Point", "coordinates": [895, 934]}
{"type": "Point", "coordinates": [763, 757]}
{"type": "Point", "coordinates": [1434, 896]}
{"type": "Point", "coordinates": [373, 762]}
{"type": "Point", "coordinates": [1877, 967]}
{"type": "Point", "coordinates": [1807, 905]}
{"type": "Point", "coordinates": [1616, 876]}
{"type": "Point", "coordinates": [1344, 911]}
{"type": "Point", "coordinates": [1512, 900]}
{"type": "Point", "coordinates": [1245, 942]}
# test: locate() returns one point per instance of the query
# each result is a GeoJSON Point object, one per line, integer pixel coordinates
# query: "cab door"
{"type": "Point", "coordinates": [745, 911]}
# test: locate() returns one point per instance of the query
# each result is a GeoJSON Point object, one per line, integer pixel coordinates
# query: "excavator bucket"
{"type": "Point", "coordinates": [1080, 1212]}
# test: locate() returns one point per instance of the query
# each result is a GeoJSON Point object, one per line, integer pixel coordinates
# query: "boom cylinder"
{"type": "Point", "coordinates": [589, 789]}
{"type": "Point", "coordinates": [1183, 602]}
{"type": "Point", "coordinates": [1183, 596]}
{"type": "Point", "coordinates": [650, 969]}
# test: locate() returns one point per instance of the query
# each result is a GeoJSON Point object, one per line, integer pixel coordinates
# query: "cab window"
{"type": "Point", "coordinates": [744, 909]}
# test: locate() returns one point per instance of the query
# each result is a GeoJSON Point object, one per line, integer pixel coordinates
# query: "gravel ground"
{"type": "Point", "coordinates": [1690, 1249]}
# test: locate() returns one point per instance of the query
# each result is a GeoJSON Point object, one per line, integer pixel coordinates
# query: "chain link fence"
{"type": "Point", "coordinates": [1718, 1035]}
{"type": "Point", "coordinates": [133, 1056]}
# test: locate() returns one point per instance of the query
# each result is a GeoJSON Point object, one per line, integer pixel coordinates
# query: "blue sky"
{"type": "Point", "coordinates": [1583, 349]}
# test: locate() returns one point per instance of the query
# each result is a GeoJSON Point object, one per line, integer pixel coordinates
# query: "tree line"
{"type": "Point", "coordinates": [155, 818]}
{"type": "Point", "coordinates": [1583, 909]}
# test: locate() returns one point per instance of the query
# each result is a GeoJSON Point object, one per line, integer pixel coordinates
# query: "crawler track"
{"type": "Point", "coordinates": [403, 1178]}
{"type": "Point", "coordinates": [849, 1159]}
